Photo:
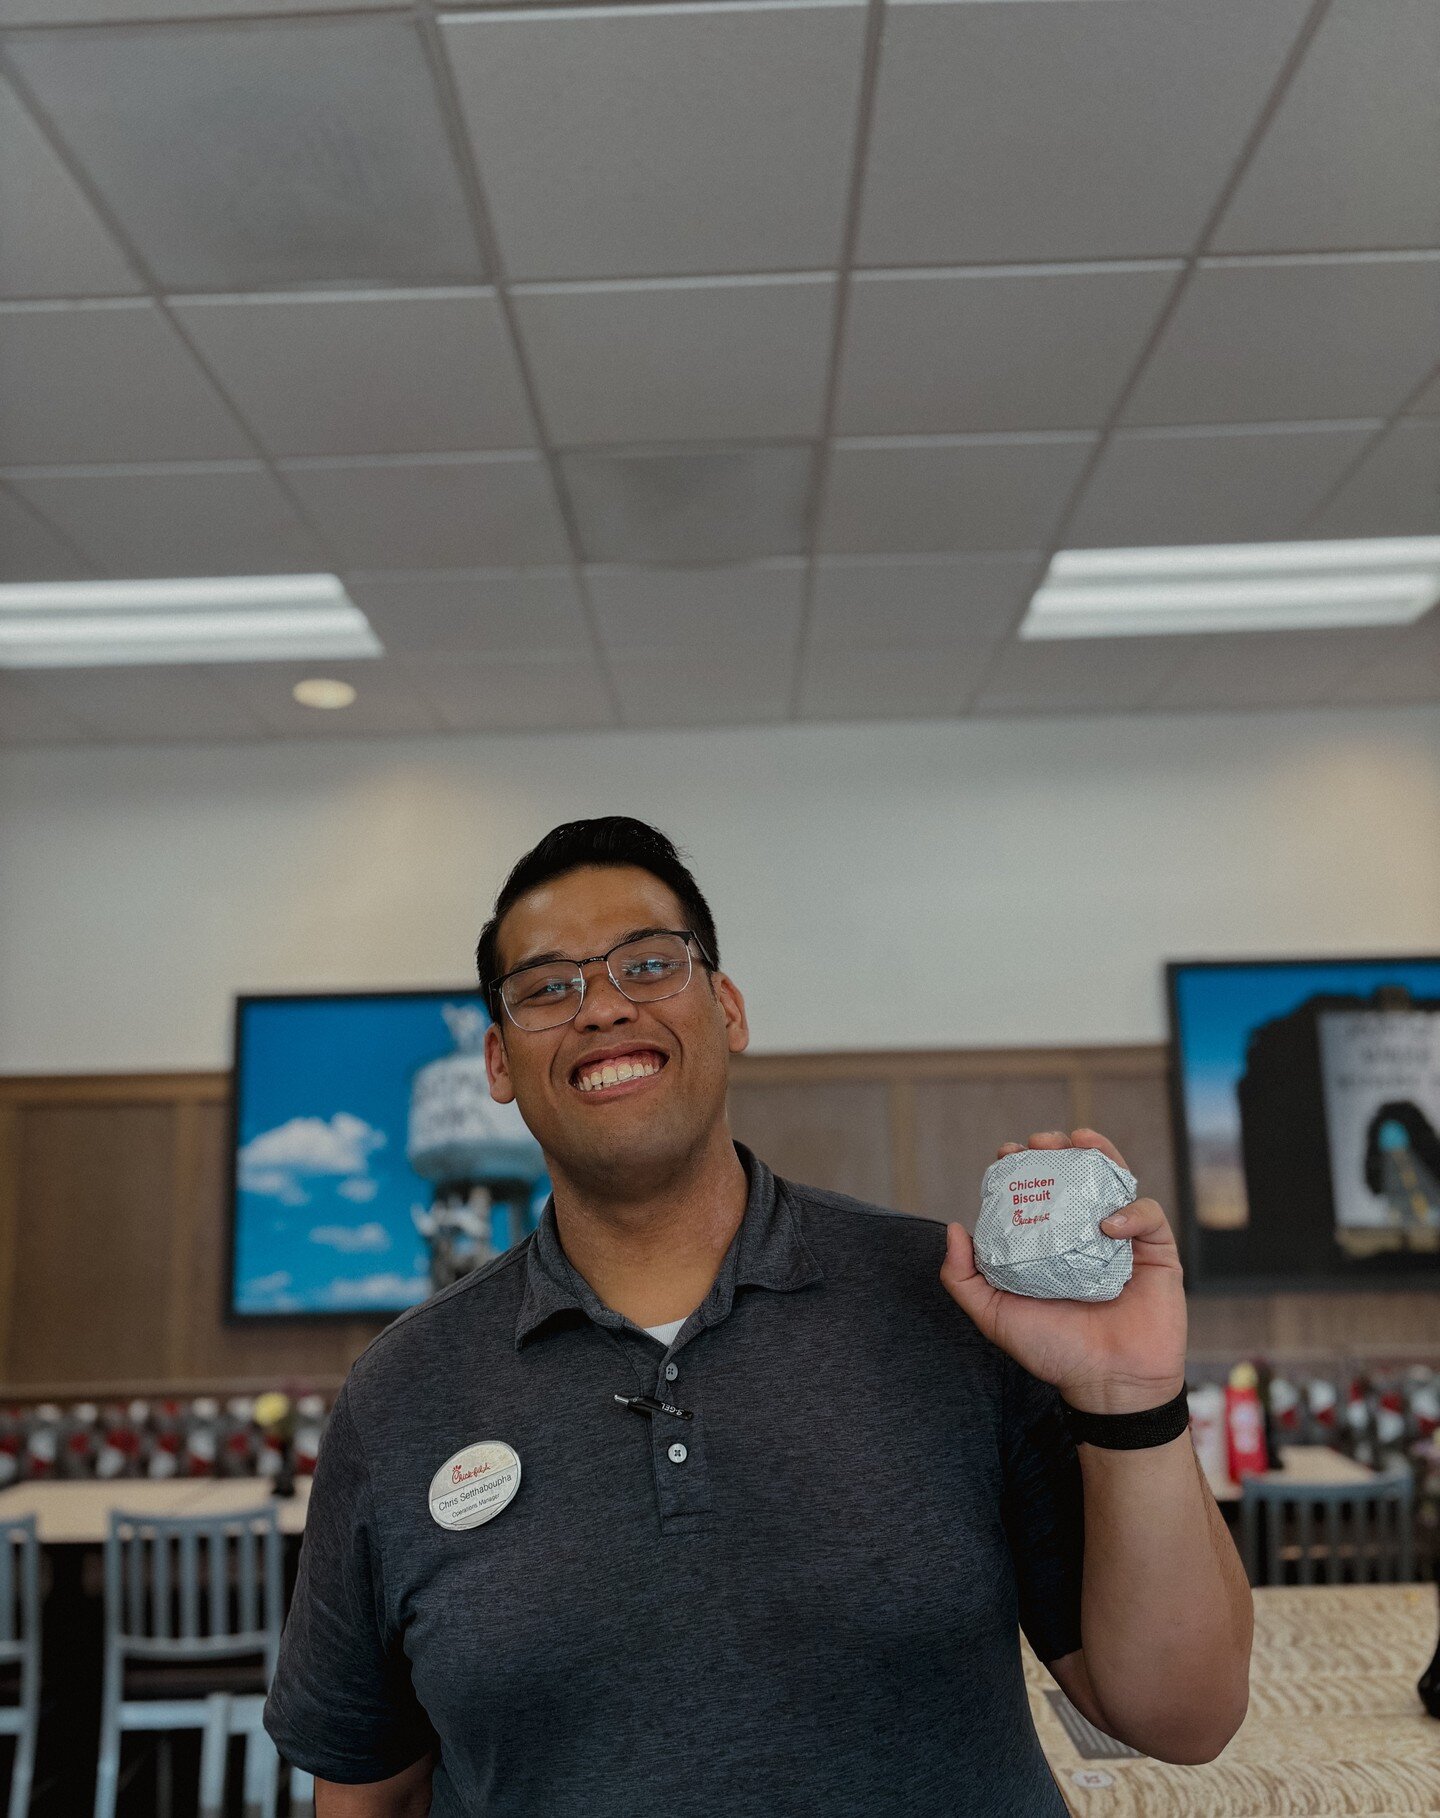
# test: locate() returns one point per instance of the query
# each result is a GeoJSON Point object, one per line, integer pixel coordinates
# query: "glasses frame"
{"type": "Point", "coordinates": [497, 993]}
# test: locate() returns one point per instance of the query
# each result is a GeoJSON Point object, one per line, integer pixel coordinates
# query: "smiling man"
{"type": "Point", "coordinates": [723, 1494]}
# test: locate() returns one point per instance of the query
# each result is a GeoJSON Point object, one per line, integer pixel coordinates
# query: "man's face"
{"type": "Point", "coordinates": [636, 1131]}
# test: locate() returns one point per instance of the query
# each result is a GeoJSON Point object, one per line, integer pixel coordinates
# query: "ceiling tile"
{"type": "Point", "coordinates": [113, 12]}
{"type": "Point", "coordinates": [658, 140]}
{"type": "Point", "coordinates": [699, 611]}
{"type": "Point", "coordinates": [54, 243]}
{"type": "Point", "coordinates": [1045, 348]}
{"type": "Point", "coordinates": [387, 699]}
{"type": "Point", "coordinates": [100, 382]}
{"type": "Point", "coordinates": [676, 505]}
{"type": "Point", "coordinates": [732, 688]}
{"type": "Point", "coordinates": [1395, 491]}
{"type": "Point", "coordinates": [452, 512]}
{"type": "Point", "coordinates": [27, 719]}
{"type": "Point", "coordinates": [174, 702]}
{"type": "Point", "coordinates": [168, 521]}
{"type": "Point", "coordinates": [1272, 668]}
{"type": "Point", "coordinates": [475, 612]}
{"type": "Point", "coordinates": [1351, 157]}
{"type": "Point", "coordinates": [366, 373]}
{"type": "Point", "coordinates": [961, 493]}
{"type": "Point", "coordinates": [680, 361]}
{"type": "Point", "coordinates": [30, 550]}
{"type": "Point", "coordinates": [891, 684]}
{"type": "Point", "coordinates": [566, 694]}
{"type": "Point", "coordinates": [1278, 342]}
{"type": "Point", "coordinates": [1076, 675]}
{"type": "Point", "coordinates": [1099, 131]}
{"type": "Point", "coordinates": [1428, 403]}
{"type": "Point", "coordinates": [312, 151]}
{"type": "Point", "coordinates": [1408, 671]}
{"type": "Point", "coordinates": [894, 602]}
{"type": "Point", "coordinates": [1211, 486]}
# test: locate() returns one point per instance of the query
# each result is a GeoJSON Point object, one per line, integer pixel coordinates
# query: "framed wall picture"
{"type": "Point", "coordinates": [369, 1164]}
{"type": "Point", "coordinates": [1306, 1100]}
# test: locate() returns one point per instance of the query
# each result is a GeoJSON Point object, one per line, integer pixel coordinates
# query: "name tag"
{"type": "Point", "coordinates": [475, 1484]}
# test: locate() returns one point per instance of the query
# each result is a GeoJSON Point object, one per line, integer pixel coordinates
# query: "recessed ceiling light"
{"type": "Point", "coordinates": [321, 691]}
{"type": "Point", "coordinates": [1116, 593]}
{"type": "Point", "coordinates": [216, 619]}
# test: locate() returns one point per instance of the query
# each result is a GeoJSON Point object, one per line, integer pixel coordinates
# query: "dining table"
{"type": "Point", "coordinates": [1335, 1726]}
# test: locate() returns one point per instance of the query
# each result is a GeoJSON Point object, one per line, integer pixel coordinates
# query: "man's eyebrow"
{"type": "Point", "coordinates": [630, 934]}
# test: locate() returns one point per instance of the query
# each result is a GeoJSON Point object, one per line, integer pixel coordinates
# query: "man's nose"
{"type": "Point", "coordinates": [604, 1004]}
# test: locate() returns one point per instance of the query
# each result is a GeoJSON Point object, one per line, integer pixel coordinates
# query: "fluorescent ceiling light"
{"type": "Point", "coordinates": [322, 691]}
{"type": "Point", "coordinates": [1116, 593]}
{"type": "Point", "coordinates": [225, 619]}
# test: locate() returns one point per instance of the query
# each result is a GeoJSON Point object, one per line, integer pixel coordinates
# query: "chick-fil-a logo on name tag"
{"type": "Point", "coordinates": [475, 1484]}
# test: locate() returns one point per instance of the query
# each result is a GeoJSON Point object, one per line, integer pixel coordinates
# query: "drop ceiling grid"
{"type": "Point", "coordinates": [815, 673]}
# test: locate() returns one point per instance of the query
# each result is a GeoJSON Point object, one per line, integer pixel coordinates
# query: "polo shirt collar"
{"type": "Point", "coordinates": [768, 1251]}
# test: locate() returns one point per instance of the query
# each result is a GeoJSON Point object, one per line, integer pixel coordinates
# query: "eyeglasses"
{"type": "Point", "coordinates": [645, 968]}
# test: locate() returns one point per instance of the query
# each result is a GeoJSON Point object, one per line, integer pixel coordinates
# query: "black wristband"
{"type": "Point", "coordinates": [1130, 1432]}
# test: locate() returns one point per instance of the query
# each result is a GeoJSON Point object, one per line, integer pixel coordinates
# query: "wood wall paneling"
{"type": "Point", "coordinates": [831, 1133]}
{"type": "Point", "coordinates": [113, 1197]}
{"type": "Point", "coordinates": [959, 1125]}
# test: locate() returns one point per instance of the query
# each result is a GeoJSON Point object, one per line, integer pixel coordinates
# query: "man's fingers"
{"type": "Point", "coordinates": [1143, 1221]}
{"type": "Point", "coordinates": [1008, 1149]}
{"type": "Point", "coordinates": [1092, 1139]}
{"type": "Point", "coordinates": [1048, 1139]}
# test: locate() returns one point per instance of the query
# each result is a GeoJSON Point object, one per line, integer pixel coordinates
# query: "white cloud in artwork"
{"type": "Point", "coordinates": [352, 1238]}
{"type": "Point", "coordinates": [264, 1287]}
{"type": "Point", "coordinates": [360, 1188]}
{"type": "Point", "coordinates": [277, 1162]}
{"type": "Point", "coordinates": [389, 1288]}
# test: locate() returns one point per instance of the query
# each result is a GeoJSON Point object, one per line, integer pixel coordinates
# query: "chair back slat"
{"type": "Point", "coordinates": [249, 1614]}
{"type": "Point", "coordinates": [1307, 1557]}
{"type": "Point", "coordinates": [177, 1574]}
{"type": "Point", "coordinates": [1332, 1542]}
{"type": "Point", "coordinates": [135, 1583]}
{"type": "Point", "coordinates": [8, 1554]}
{"type": "Point", "coordinates": [218, 1575]}
{"type": "Point", "coordinates": [162, 1618]}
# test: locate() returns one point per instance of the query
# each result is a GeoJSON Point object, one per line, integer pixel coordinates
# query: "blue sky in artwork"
{"type": "Point", "coordinates": [1219, 1006]}
{"type": "Point", "coordinates": [324, 1193]}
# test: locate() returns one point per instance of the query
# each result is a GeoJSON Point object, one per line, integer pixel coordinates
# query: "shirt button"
{"type": "Point", "coordinates": [671, 1372]}
{"type": "Point", "coordinates": [677, 1453]}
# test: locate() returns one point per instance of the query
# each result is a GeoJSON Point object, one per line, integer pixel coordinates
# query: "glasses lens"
{"type": "Point", "coordinates": [542, 996]}
{"type": "Point", "coordinates": [657, 965]}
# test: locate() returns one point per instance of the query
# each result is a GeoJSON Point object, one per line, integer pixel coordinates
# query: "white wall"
{"type": "Point", "coordinates": [909, 886]}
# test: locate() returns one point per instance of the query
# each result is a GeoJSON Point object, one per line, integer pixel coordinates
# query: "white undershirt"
{"type": "Point", "coordinates": [666, 1333]}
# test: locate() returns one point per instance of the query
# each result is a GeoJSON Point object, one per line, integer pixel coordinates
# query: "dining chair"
{"type": "Point", "coordinates": [20, 1650]}
{"type": "Point", "coordinates": [1366, 1527]}
{"type": "Point", "coordinates": [192, 1634]}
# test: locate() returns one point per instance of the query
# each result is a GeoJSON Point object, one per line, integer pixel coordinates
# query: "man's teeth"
{"type": "Point", "coordinates": [613, 1072]}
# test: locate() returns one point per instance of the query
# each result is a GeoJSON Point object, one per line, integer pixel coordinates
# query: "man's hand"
{"type": "Point", "coordinates": [1105, 1357]}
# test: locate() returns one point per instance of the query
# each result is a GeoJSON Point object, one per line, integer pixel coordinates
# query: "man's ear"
{"type": "Point", "coordinates": [732, 1008]}
{"type": "Point", "coordinates": [497, 1066]}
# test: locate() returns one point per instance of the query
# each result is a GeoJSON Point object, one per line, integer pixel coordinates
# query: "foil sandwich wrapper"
{"type": "Point", "coordinates": [1039, 1233]}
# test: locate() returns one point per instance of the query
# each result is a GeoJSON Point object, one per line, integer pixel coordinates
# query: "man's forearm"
{"type": "Point", "coordinates": [1166, 1614]}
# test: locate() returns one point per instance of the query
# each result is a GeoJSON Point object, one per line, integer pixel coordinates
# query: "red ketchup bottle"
{"type": "Point", "coordinates": [1244, 1423]}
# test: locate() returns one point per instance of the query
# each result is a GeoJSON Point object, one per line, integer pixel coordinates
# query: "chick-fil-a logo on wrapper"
{"type": "Point", "coordinates": [474, 1484]}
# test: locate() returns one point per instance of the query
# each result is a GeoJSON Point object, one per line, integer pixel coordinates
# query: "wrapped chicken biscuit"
{"type": "Point", "coordinates": [1039, 1227]}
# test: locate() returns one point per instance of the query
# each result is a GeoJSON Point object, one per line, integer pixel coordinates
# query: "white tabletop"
{"type": "Point", "coordinates": [1301, 1464]}
{"type": "Point", "coordinates": [77, 1511]}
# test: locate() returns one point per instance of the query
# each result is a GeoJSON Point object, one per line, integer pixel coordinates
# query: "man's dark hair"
{"type": "Point", "coordinates": [612, 839]}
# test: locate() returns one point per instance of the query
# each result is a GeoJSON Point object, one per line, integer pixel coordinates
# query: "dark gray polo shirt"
{"type": "Point", "coordinates": [812, 1612]}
